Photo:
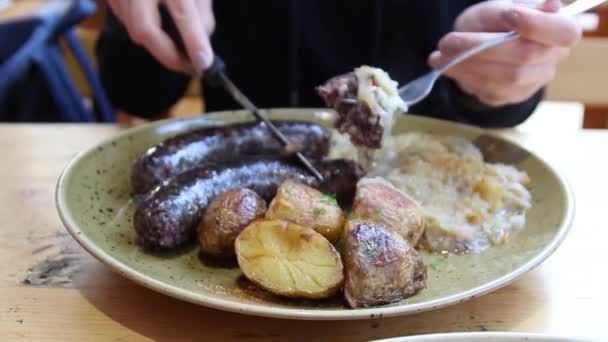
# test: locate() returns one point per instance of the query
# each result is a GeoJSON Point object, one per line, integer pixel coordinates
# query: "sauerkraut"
{"type": "Point", "coordinates": [468, 204]}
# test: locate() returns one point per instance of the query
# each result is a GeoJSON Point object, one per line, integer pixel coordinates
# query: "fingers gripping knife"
{"type": "Point", "coordinates": [216, 75]}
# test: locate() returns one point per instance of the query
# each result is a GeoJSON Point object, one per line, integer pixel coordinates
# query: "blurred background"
{"type": "Point", "coordinates": [578, 92]}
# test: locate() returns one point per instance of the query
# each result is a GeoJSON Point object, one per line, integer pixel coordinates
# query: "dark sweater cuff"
{"type": "Point", "coordinates": [475, 112]}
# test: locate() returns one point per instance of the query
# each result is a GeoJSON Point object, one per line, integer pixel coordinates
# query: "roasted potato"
{"type": "Point", "coordinates": [381, 267]}
{"type": "Point", "coordinates": [226, 216]}
{"type": "Point", "coordinates": [301, 204]}
{"type": "Point", "coordinates": [289, 260]}
{"type": "Point", "coordinates": [379, 201]}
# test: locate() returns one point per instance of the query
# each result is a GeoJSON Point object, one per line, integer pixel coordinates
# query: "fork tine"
{"type": "Point", "coordinates": [418, 89]}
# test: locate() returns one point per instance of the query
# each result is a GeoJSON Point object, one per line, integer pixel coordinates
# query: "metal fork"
{"type": "Point", "coordinates": [418, 89]}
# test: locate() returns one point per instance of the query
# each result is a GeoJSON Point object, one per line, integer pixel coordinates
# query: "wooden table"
{"type": "Point", "coordinates": [86, 301]}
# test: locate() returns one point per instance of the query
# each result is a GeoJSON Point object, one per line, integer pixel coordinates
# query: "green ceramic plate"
{"type": "Point", "coordinates": [93, 199]}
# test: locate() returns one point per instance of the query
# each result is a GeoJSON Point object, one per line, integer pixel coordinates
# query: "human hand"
{"type": "Point", "coordinates": [512, 72]}
{"type": "Point", "coordinates": [193, 18]}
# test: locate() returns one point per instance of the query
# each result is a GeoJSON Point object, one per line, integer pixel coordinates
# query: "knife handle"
{"type": "Point", "coordinates": [213, 73]}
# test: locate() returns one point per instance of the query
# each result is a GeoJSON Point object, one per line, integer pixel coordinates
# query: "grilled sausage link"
{"type": "Point", "coordinates": [167, 218]}
{"type": "Point", "coordinates": [223, 143]}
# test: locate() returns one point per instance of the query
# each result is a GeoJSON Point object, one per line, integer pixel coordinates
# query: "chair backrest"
{"type": "Point", "coordinates": [582, 76]}
{"type": "Point", "coordinates": [35, 83]}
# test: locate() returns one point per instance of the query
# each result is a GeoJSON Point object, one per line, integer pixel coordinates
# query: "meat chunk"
{"type": "Point", "coordinates": [366, 101]}
{"type": "Point", "coordinates": [340, 93]}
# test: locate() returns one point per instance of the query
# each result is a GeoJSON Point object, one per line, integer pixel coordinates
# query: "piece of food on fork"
{"type": "Point", "coordinates": [366, 101]}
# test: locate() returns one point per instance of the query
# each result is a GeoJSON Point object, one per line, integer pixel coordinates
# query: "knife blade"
{"type": "Point", "coordinates": [217, 77]}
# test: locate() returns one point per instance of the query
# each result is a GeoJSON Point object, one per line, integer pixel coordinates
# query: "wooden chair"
{"type": "Point", "coordinates": [582, 76]}
{"type": "Point", "coordinates": [35, 82]}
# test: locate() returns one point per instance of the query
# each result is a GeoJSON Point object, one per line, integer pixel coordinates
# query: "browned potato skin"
{"type": "Point", "coordinates": [299, 203]}
{"type": "Point", "coordinates": [379, 201]}
{"type": "Point", "coordinates": [265, 247]}
{"type": "Point", "coordinates": [226, 216]}
{"type": "Point", "coordinates": [381, 267]}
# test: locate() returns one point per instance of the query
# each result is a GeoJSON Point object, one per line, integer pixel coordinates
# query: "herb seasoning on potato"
{"type": "Point", "coordinates": [301, 204]}
{"type": "Point", "coordinates": [227, 215]}
{"type": "Point", "coordinates": [289, 260]}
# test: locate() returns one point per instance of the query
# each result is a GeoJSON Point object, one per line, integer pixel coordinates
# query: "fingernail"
{"type": "Point", "coordinates": [202, 61]}
{"type": "Point", "coordinates": [434, 58]}
{"type": "Point", "coordinates": [435, 55]}
{"type": "Point", "coordinates": [512, 18]}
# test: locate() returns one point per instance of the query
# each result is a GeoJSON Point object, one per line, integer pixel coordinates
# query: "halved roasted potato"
{"type": "Point", "coordinates": [299, 203]}
{"type": "Point", "coordinates": [226, 216]}
{"type": "Point", "coordinates": [377, 200]}
{"type": "Point", "coordinates": [289, 260]}
{"type": "Point", "coordinates": [381, 267]}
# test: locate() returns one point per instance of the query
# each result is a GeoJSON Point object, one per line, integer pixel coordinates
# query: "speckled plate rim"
{"type": "Point", "coordinates": [292, 313]}
{"type": "Point", "coordinates": [485, 337]}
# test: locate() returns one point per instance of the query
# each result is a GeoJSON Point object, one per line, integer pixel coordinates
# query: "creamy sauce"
{"type": "Point", "coordinates": [468, 204]}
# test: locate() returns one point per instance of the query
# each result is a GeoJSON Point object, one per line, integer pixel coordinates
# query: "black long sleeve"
{"type": "Point", "coordinates": [278, 51]}
{"type": "Point", "coordinates": [134, 81]}
{"type": "Point", "coordinates": [449, 102]}
{"type": "Point", "coordinates": [471, 110]}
